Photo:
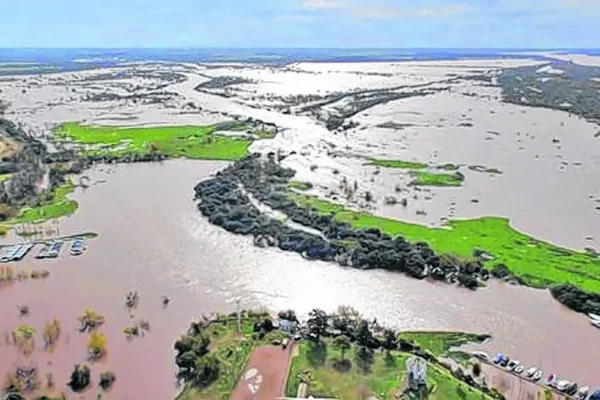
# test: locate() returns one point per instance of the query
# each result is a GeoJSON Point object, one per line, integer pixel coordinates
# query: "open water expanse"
{"type": "Point", "coordinates": [153, 240]}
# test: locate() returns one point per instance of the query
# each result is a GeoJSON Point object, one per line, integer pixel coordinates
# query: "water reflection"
{"type": "Point", "coordinates": [153, 240]}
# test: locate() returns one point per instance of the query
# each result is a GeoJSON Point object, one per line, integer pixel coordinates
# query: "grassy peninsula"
{"type": "Point", "coordinates": [55, 205]}
{"type": "Point", "coordinates": [193, 142]}
{"type": "Point", "coordinates": [535, 262]}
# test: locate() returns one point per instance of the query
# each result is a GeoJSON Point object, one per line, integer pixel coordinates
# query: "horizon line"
{"type": "Point", "coordinates": [295, 48]}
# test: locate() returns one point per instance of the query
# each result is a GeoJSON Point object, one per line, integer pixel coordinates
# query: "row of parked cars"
{"type": "Point", "coordinates": [535, 374]}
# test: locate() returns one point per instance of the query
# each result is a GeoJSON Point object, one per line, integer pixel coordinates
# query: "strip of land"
{"type": "Point", "coordinates": [535, 262]}
{"type": "Point", "coordinates": [336, 356]}
{"type": "Point", "coordinates": [193, 142]}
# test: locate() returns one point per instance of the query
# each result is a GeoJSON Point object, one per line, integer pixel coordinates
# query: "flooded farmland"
{"type": "Point", "coordinates": [153, 240]}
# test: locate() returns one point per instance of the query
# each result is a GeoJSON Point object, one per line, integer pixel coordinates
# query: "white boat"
{"type": "Point", "coordinates": [595, 323]}
{"type": "Point", "coordinates": [593, 316]}
{"type": "Point", "coordinates": [530, 372]}
{"type": "Point", "coordinates": [562, 385]}
{"type": "Point", "coordinates": [537, 376]}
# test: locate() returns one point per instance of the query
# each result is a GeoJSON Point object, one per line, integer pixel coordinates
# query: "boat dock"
{"type": "Point", "coordinates": [49, 248]}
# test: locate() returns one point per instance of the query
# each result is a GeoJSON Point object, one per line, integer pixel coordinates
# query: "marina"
{"type": "Point", "coordinates": [50, 248]}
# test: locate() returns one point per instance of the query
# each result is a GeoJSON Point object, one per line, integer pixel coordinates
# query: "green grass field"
{"type": "Point", "coordinates": [385, 378]}
{"type": "Point", "coordinates": [537, 263]}
{"type": "Point", "coordinates": [426, 178]}
{"type": "Point", "coordinates": [397, 164]}
{"type": "Point", "coordinates": [59, 206]}
{"type": "Point", "coordinates": [233, 349]}
{"type": "Point", "coordinates": [193, 142]}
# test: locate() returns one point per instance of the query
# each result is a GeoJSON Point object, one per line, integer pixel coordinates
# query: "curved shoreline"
{"type": "Point", "coordinates": [224, 202]}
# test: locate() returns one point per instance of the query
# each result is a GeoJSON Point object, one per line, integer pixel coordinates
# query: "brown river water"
{"type": "Point", "coordinates": [153, 240]}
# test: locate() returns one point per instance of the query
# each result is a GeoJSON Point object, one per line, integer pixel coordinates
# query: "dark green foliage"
{"type": "Point", "coordinates": [80, 378]}
{"type": "Point", "coordinates": [195, 364]}
{"type": "Point", "coordinates": [343, 343]}
{"type": "Point", "coordinates": [317, 322]}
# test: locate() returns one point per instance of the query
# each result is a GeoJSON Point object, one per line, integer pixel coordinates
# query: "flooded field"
{"type": "Point", "coordinates": [153, 240]}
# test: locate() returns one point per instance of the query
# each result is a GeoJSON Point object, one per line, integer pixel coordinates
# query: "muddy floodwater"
{"type": "Point", "coordinates": [153, 240]}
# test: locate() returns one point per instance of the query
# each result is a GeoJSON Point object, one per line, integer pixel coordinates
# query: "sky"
{"type": "Point", "coordinates": [301, 23]}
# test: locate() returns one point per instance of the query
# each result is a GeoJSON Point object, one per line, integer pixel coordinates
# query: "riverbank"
{"type": "Point", "coordinates": [338, 355]}
{"type": "Point", "coordinates": [462, 250]}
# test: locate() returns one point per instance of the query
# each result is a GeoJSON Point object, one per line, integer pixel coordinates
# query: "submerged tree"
{"type": "Point", "coordinates": [51, 333]}
{"type": "Point", "coordinates": [96, 345]}
{"type": "Point", "coordinates": [80, 378]}
{"type": "Point", "coordinates": [90, 320]}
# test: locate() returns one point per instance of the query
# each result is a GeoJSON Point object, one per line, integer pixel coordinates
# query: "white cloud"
{"type": "Point", "coordinates": [373, 9]}
{"type": "Point", "coordinates": [322, 4]}
{"type": "Point", "coordinates": [393, 12]}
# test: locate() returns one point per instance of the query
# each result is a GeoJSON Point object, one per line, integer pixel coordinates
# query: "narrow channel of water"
{"type": "Point", "coordinates": [153, 240]}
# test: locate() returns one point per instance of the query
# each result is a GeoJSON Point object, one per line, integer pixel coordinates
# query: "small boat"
{"type": "Point", "coordinates": [504, 362]}
{"type": "Point", "coordinates": [594, 316]}
{"type": "Point", "coordinates": [550, 380]}
{"type": "Point", "coordinates": [512, 364]}
{"type": "Point", "coordinates": [595, 323]}
{"type": "Point", "coordinates": [78, 247]}
{"type": "Point", "coordinates": [530, 372]}
{"type": "Point", "coordinates": [481, 355]}
{"type": "Point", "coordinates": [582, 392]}
{"type": "Point", "coordinates": [55, 249]}
{"type": "Point", "coordinates": [43, 251]}
{"type": "Point", "coordinates": [538, 375]}
{"type": "Point", "coordinates": [562, 385]}
{"type": "Point", "coordinates": [21, 252]}
{"type": "Point", "coordinates": [519, 369]}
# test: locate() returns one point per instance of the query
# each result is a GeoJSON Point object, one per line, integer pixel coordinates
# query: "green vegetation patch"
{"type": "Point", "coordinates": [5, 177]}
{"type": "Point", "coordinates": [425, 178]}
{"type": "Point", "coordinates": [331, 375]}
{"type": "Point", "coordinates": [397, 164]}
{"type": "Point", "coordinates": [439, 343]}
{"type": "Point", "coordinates": [232, 348]}
{"type": "Point", "coordinates": [535, 262]}
{"type": "Point", "coordinates": [481, 168]}
{"type": "Point", "coordinates": [194, 142]}
{"type": "Point", "coordinates": [300, 185]}
{"type": "Point", "coordinates": [448, 167]}
{"type": "Point", "coordinates": [58, 206]}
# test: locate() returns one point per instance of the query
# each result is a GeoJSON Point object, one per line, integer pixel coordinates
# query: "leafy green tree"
{"type": "Point", "coordinates": [207, 370]}
{"type": "Point", "coordinates": [317, 322]}
{"type": "Point", "coordinates": [364, 336]}
{"type": "Point", "coordinates": [390, 342]}
{"type": "Point", "coordinates": [343, 343]}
